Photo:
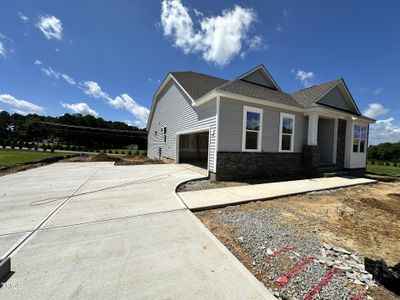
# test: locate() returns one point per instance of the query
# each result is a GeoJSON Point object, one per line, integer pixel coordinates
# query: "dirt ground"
{"type": "Point", "coordinates": [363, 219]}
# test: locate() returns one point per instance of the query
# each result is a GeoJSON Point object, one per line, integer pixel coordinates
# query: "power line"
{"type": "Point", "coordinates": [93, 128]}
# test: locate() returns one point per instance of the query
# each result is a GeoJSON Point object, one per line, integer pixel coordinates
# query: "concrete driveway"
{"type": "Point", "coordinates": [94, 230]}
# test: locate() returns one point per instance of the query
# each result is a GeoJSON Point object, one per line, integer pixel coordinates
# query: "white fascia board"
{"type": "Point", "coordinates": [238, 97]}
{"type": "Point", "coordinates": [331, 113]}
{"type": "Point", "coordinates": [162, 86]}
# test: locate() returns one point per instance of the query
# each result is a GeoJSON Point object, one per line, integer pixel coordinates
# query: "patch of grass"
{"type": "Point", "coordinates": [13, 157]}
{"type": "Point", "coordinates": [383, 169]}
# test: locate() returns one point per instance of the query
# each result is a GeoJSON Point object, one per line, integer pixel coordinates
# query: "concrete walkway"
{"type": "Point", "coordinates": [98, 231]}
{"type": "Point", "coordinates": [233, 195]}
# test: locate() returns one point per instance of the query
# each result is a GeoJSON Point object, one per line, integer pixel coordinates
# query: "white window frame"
{"type": "Point", "coordinates": [359, 139]}
{"type": "Point", "coordinates": [257, 110]}
{"type": "Point", "coordinates": [293, 117]}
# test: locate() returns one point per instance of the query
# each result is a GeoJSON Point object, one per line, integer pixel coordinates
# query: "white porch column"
{"type": "Point", "coordinates": [312, 138]}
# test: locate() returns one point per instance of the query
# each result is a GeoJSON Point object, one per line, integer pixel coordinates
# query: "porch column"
{"type": "Point", "coordinates": [312, 138]}
{"type": "Point", "coordinates": [311, 150]}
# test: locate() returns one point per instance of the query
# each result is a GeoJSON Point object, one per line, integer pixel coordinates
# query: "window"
{"type": "Point", "coordinates": [165, 133]}
{"type": "Point", "coordinates": [360, 138]}
{"type": "Point", "coordinates": [286, 133]}
{"type": "Point", "coordinates": [252, 127]}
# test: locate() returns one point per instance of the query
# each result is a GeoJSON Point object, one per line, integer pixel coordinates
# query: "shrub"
{"type": "Point", "coordinates": [387, 163]}
{"type": "Point", "coordinates": [52, 149]}
{"type": "Point", "coordinates": [116, 152]}
{"type": "Point", "coordinates": [36, 147]}
{"type": "Point", "coordinates": [110, 151]}
{"type": "Point", "coordinates": [372, 162]}
{"type": "Point", "coordinates": [129, 152]}
{"type": "Point", "coordinates": [122, 152]}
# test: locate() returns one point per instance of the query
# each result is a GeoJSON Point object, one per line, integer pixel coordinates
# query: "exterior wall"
{"type": "Point", "coordinates": [242, 165]}
{"type": "Point", "coordinates": [231, 120]}
{"type": "Point", "coordinates": [354, 160]}
{"type": "Point", "coordinates": [258, 78]}
{"type": "Point", "coordinates": [175, 111]}
{"type": "Point", "coordinates": [335, 99]}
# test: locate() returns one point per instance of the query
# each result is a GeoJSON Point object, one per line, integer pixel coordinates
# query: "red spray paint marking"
{"type": "Point", "coordinates": [362, 296]}
{"type": "Point", "coordinates": [284, 249]}
{"type": "Point", "coordinates": [326, 280]}
{"type": "Point", "coordinates": [300, 266]}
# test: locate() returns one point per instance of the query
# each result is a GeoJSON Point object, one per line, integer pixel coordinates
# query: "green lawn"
{"type": "Point", "coordinates": [12, 157]}
{"type": "Point", "coordinates": [377, 169]}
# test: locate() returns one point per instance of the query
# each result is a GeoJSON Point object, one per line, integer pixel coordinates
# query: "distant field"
{"type": "Point", "coordinates": [377, 169]}
{"type": "Point", "coordinates": [12, 157]}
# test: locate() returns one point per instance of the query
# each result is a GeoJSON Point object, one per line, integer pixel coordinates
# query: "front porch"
{"type": "Point", "coordinates": [324, 153]}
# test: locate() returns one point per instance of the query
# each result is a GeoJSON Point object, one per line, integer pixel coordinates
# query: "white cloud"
{"type": "Point", "coordinates": [375, 110]}
{"type": "Point", "coordinates": [25, 19]}
{"type": "Point", "coordinates": [21, 106]}
{"type": "Point", "coordinates": [384, 131]}
{"type": "Point", "coordinates": [80, 108]}
{"type": "Point", "coordinates": [123, 101]}
{"type": "Point", "coordinates": [51, 27]}
{"type": "Point", "coordinates": [150, 79]}
{"type": "Point", "coordinates": [3, 51]}
{"type": "Point", "coordinates": [304, 77]}
{"type": "Point", "coordinates": [38, 62]}
{"type": "Point", "coordinates": [218, 39]}
{"type": "Point", "coordinates": [93, 89]}
{"type": "Point", "coordinates": [377, 91]}
{"type": "Point", "coordinates": [257, 43]}
{"type": "Point", "coordinates": [57, 75]}
{"type": "Point", "coordinates": [279, 28]}
{"type": "Point", "coordinates": [285, 13]}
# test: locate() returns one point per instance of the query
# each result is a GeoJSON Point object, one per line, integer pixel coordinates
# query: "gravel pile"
{"type": "Point", "coordinates": [281, 255]}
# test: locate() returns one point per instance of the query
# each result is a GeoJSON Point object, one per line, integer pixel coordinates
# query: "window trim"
{"type": "Point", "coordinates": [359, 139]}
{"type": "Point", "coordinates": [293, 117]}
{"type": "Point", "coordinates": [260, 111]}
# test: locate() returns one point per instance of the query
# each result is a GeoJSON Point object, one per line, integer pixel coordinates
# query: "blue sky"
{"type": "Point", "coordinates": [107, 58]}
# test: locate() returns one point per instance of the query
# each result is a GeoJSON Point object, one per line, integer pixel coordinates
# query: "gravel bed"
{"type": "Point", "coordinates": [263, 232]}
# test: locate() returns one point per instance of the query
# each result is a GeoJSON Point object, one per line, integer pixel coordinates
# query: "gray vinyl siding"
{"type": "Point", "coordinates": [174, 110]}
{"type": "Point", "coordinates": [231, 120]}
{"type": "Point", "coordinates": [259, 78]}
{"type": "Point", "coordinates": [336, 99]}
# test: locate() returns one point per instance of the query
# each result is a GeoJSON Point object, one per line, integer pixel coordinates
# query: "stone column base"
{"type": "Point", "coordinates": [311, 160]}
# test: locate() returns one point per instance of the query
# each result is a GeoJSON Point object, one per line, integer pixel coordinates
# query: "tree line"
{"type": "Point", "coordinates": [86, 133]}
{"type": "Point", "coordinates": [384, 152]}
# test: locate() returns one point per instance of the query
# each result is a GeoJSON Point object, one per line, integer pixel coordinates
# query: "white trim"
{"type": "Point", "coordinates": [335, 140]}
{"type": "Point", "coordinates": [218, 103]}
{"type": "Point", "coordinates": [161, 87]}
{"type": "Point", "coordinates": [244, 130]}
{"type": "Point", "coordinates": [290, 116]}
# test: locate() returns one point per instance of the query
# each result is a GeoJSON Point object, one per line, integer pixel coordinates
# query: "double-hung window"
{"type": "Point", "coordinates": [286, 132]}
{"type": "Point", "coordinates": [359, 138]}
{"type": "Point", "coordinates": [252, 128]}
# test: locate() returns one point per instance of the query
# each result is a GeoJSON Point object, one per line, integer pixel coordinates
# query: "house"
{"type": "Point", "coordinates": [248, 127]}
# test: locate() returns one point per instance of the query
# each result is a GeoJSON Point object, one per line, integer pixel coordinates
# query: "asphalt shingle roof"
{"type": "Point", "coordinates": [307, 97]}
{"type": "Point", "coordinates": [246, 88]}
{"type": "Point", "coordinates": [197, 84]}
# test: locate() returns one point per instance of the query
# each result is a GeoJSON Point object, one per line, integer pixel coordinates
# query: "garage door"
{"type": "Point", "coordinates": [193, 148]}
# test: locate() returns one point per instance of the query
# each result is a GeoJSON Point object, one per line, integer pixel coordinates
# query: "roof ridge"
{"type": "Point", "coordinates": [200, 73]}
{"type": "Point", "coordinates": [316, 85]}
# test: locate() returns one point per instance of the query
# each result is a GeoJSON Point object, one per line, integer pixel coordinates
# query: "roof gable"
{"type": "Point", "coordinates": [337, 98]}
{"type": "Point", "coordinates": [197, 84]}
{"type": "Point", "coordinates": [260, 76]}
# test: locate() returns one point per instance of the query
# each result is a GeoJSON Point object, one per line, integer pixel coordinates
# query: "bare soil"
{"type": "Point", "coordinates": [363, 219]}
